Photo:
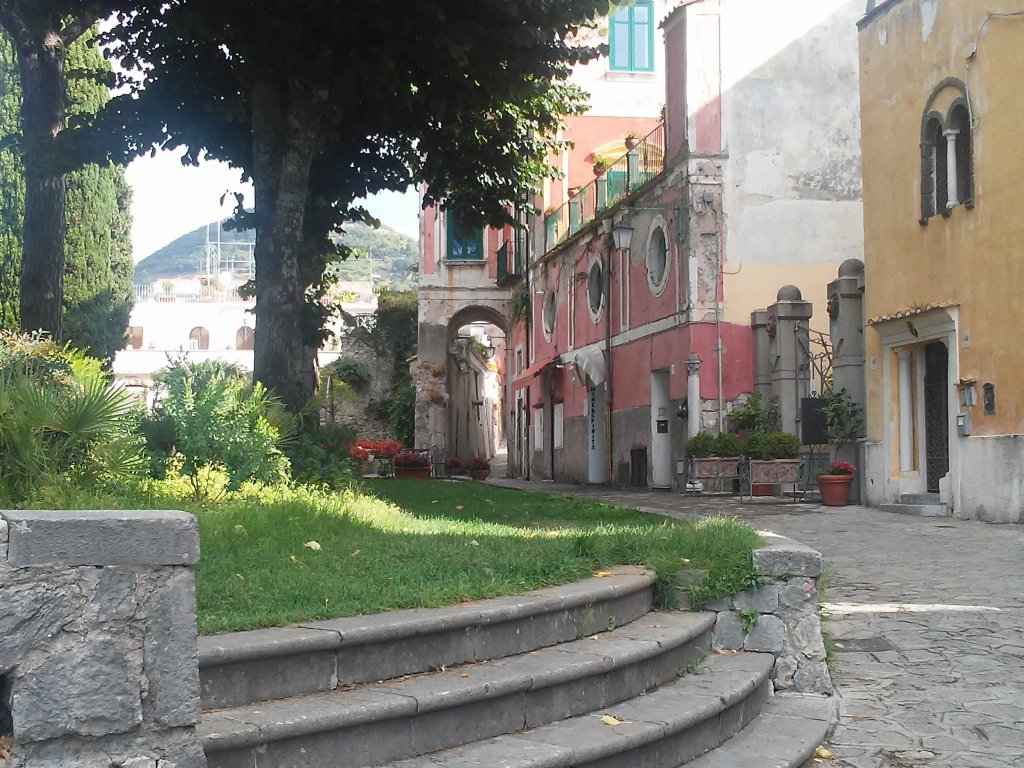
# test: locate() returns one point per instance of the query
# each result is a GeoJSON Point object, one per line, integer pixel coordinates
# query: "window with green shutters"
{"type": "Point", "coordinates": [464, 244]}
{"type": "Point", "coordinates": [631, 41]}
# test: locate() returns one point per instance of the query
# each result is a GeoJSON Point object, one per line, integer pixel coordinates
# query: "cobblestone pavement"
{"type": "Point", "coordinates": [928, 618]}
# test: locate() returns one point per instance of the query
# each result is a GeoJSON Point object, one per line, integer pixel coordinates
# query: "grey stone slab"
{"type": "Point", "coordinates": [917, 510]}
{"type": "Point", "coordinates": [261, 644]}
{"type": "Point", "coordinates": [85, 690]}
{"type": "Point", "coordinates": [407, 655]}
{"type": "Point", "coordinates": [34, 610]}
{"type": "Point", "coordinates": [763, 600]}
{"type": "Point", "coordinates": [244, 682]}
{"type": "Point", "coordinates": [471, 722]}
{"type": "Point", "coordinates": [220, 732]}
{"type": "Point", "coordinates": [452, 688]}
{"type": "Point", "coordinates": [784, 557]}
{"type": "Point", "coordinates": [3, 530]}
{"type": "Point", "coordinates": [113, 598]}
{"type": "Point", "coordinates": [500, 752]}
{"type": "Point", "coordinates": [170, 662]}
{"type": "Point", "coordinates": [356, 747]}
{"type": "Point", "coordinates": [521, 635]}
{"type": "Point", "coordinates": [767, 635]}
{"type": "Point", "coordinates": [728, 634]}
{"type": "Point", "coordinates": [395, 625]}
{"type": "Point", "coordinates": [102, 537]}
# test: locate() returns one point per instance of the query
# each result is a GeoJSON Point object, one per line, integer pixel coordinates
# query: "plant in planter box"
{"type": "Point", "coordinates": [773, 459]}
{"type": "Point", "coordinates": [701, 445]}
{"type": "Point", "coordinates": [769, 446]}
{"type": "Point", "coordinates": [454, 465]}
{"type": "Point", "coordinates": [479, 467]}
{"type": "Point", "coordinates": [411, 464]}
{"type": "Point", "coordinates": [714, 455]}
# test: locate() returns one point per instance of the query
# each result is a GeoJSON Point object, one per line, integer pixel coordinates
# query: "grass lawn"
{"type": "Point", "coordinates": [409, 543]}
{"type": "Point", "coordinates": [274, 556]}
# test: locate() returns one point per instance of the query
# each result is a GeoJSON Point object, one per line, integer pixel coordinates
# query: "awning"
{"type": "Point", "coordinates": [535, 370]}
{"type": "Point", "coordinates": [588, 366]}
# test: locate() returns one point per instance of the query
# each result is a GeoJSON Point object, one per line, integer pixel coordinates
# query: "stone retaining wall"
{"type": "Point", "coordinates": [780, 617]}
{"type": "Point", "coordinates": [98, 639]}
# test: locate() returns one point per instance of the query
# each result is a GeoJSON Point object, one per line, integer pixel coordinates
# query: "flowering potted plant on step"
{"type": "Point", "coordinates": [834, 483]}
{"type": "Point", "coordinates": [479, 467]}
{"type": "Point", "coordinates": [412, 464]}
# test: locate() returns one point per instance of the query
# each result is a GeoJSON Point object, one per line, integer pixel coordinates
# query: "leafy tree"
{"type": "Point", "coordinates": [97, 283]}
{"type": "Point", "coordinates": [41, 32]}
{"type": "Point", "coordinates": [321, 107]}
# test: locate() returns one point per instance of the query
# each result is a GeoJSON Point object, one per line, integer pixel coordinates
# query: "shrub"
{"type": "Point", "coordinates": [754, 415]}
{"type": "Point", "coordinates": [321, 456]}
{"type": "Point", "coordinates": [60, 421]}
{"type": "Point", "coordinates": [411, 459]}
{"type": "Point", "coordinates": [379, 449]}
{"type": "Point", "coordinates": [767, 446]}
{"type": "Point", "coordinates": [701, 445]}
{"type": "Point", "coordinates": [844, 418]}
{"type": "Point", "coordinates": [350, 370]}
{"type": "Point", "coordinates": [728, 444]}
{"type": "Point", "coordinates": [454, 464]}
{"type": "Point", "coordinates": [217, 421]}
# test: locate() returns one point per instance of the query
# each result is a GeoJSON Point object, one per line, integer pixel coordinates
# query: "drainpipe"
{"type": "Point", "coordinates": [609, 431]}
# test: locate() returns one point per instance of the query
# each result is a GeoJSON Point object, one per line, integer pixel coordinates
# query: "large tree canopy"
{"type": "Point", "coordinates": [321, 103]}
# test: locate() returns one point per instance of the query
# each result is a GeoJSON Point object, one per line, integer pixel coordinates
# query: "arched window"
{"type": "Point", "coordinates": [135, 337]}
{"type": "Point", "coordinates": [245, 338]}
{"type": "Point", "coordinates": [199, 338]}
{"type": "Point", "coordinates": [947, 145]}
{"type": "Point", "coordinates": [933, 169]}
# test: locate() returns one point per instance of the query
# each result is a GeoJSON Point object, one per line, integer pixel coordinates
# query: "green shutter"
{"type": "Point", "coordinates": [631, 37]}
{"type": "Point", "coordinates": [464, 245]}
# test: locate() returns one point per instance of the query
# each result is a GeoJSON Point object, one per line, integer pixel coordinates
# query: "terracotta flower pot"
{"type": "Point", "coordinates": [412, 473]}
{"type": "Point", "coordinates": [631, 142]}
{"type": "Point", "coordinates": [835, 489]}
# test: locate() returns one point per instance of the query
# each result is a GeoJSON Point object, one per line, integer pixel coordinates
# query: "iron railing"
{"type": "Point", "coordinates": [624, 176]}
{"type": "Point", "coordinates": [510, 263]}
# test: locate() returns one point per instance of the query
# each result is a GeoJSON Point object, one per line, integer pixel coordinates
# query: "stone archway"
{"type": "Point", "coordinates": [444, 367]}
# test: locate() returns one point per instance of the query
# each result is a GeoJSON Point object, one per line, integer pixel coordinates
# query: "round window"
{"type": "Point", "coordinates": [595, 288]}
{"type": "Point", "coordinates": [548, 314]}
{"type": "Point", "coordinates": [657, 260]}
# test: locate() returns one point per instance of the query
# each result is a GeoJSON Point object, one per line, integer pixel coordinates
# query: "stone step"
{"type": "Point", "coordinates": [420, 714]}
{"type": "Point", "coordinates": [662, 729]}
{"type": "Point", "coordinates": [245, 667]}
{"type": "Point", "coordinates": [917, 510]}
{"type": "Point", "coordinates": [784, 735]}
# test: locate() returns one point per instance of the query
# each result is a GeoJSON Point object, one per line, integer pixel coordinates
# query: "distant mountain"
{"type": "Point", "coordinates": [390, 254]}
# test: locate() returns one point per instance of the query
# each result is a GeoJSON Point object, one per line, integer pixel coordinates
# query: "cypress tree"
{"type": "Point", "coordinates": [98, 266]}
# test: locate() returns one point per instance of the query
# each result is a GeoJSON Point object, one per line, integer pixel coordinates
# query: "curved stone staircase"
{"type": "Point", "coordinates": [580, 675]}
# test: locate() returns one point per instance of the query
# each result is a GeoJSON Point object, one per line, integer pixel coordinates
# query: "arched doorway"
{"type": "Point", "coordinates": [245, 338]}
{"type": "Point", "coordinates": [199, 338]}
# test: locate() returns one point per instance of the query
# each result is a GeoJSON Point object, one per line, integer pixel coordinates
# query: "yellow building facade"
{"type": "Point", "coordinates": [943, 172]}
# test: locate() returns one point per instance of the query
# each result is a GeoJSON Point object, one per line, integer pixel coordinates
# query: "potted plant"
{"type": "Point", "coordinates": [773, 459]}
{"type": "Point", "coordinates": [714, 456]}
{"type": "Point", "coordinates": [834, 483]}
{"type": "Point", "coordinates": [479, 467]}
{"type": "Point", "coordinates": [412, 464]}
{"type": "Point", "coordinates": [454, 465]}
{"type": "Point", "coordinates": [602, 163]}
{"type": "Point", "coordinates": [632, 139]}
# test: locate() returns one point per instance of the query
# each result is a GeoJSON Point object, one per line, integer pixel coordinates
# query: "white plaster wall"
{"type": "Point", "coordinates": [625, 94]}
{"type": "Point", "coordinates": [791, 130]}
{"type": "Point", "coordinates": [166, 325]}
{"type": "Point", "coordinates": [991, 484]}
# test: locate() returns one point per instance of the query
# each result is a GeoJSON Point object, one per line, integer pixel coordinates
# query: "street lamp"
{"type": "Point", "coordinates": [623, 236]}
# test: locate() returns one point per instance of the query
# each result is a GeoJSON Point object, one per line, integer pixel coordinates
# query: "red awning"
{"type": "Point", "coordinates": [526, 377]}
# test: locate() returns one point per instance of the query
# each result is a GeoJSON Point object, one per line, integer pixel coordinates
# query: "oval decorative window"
{"type": "Point", "coordinates": [595, 290]}
{"type": "Point", "coordinates": [657, 261]}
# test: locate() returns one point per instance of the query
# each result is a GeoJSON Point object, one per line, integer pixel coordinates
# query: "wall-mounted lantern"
{"type": "Point", "coordinates": [623, 236]}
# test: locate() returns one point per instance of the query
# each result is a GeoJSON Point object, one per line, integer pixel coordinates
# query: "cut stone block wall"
{"type": "Point", "coordinates": [780, 617]}
{"type": "Point", "coordinates": [98, 638]}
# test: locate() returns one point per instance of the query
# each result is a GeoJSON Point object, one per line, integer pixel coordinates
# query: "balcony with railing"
{"type": "Point", "coordinates": [624, 176]}
{"type": "Point", "coordinates": [511, 263]}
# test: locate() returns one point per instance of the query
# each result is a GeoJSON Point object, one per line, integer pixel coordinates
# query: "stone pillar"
{"type": "Point", "coordinates": [429, 375]}
{"type": "Point", "coordinates": [762, 361]}
{"type": "Point", "coordinates": [906, 404]}
{"type": "Point", "coordinates": [98, 638]}
{"type": "Point", "coordinates": [789, 341]}
{"type": "Point", "coordinates": [951, 169]}
{"type": "Point", "coordinates": [693, 395]}
{"type": "Point", "coordinates": [846, 330]}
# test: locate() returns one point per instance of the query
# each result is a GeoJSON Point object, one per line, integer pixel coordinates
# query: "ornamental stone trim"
{"type": "Point", "coordinates": [98, 638]}
{"type": "Point", "coordinates": [781, 616]}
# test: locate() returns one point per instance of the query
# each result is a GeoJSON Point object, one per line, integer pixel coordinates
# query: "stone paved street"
{"type": "Point", "coordinates": [928, 616]}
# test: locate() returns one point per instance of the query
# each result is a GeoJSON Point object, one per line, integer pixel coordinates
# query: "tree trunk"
{"type": "Point", "coordinates": [42, 261]}
{"type": "Point", "coordinates": [285, 126]}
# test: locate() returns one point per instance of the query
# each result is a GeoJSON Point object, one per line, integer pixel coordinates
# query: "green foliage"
{"type": "Point", "coordinates": [215, 421]}
{"type": "Point", "coordinates": [705, 444]}
{"type": "Point", "coordinates": [844, 418]}
{"type": "Point", "coordinates": [767, 446]}
{"type": "Point", "coordinates": [350, 370]}
{"type": "Point", "coordinates": [754, 415]}
{"type": "Point", "coordinates": [320, 457]}
{"type": "Point", "coordinates": [519, 304]}
{"type": "Point", "coordinates": [98, 264]}
{"type": "Point", "coordinates": [60, 421]}
{"type": "Point", "coordinates": [748, 619]}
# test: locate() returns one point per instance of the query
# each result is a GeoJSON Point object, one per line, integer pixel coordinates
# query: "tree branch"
{"type": "Point", "coordinates": [16, 28]}
{"type": "Point", "coordinates": [75, 28]}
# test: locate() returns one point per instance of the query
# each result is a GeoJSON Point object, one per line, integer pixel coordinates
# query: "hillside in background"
{"type": "Point", "coordinates": [389, 254]}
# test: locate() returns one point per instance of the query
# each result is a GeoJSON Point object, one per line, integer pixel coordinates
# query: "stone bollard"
{"type": "Point", "coordinates": [98, 642]}
{"type": "Point", "coordinates": [780, 617]}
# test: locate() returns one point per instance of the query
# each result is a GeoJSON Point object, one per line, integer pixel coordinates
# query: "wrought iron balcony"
{"type": "Point", "coordinates": [510, 264]}
{"type": "Point", "coordinates": [624, 176]}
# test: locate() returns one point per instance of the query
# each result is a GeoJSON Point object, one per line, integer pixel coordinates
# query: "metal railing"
{"type": "Point", "coordinates": [624, 176]}
{"type": "Point", "coordinates": [510, 263]}
{"type": "Point", "coordinates": [206, 293]}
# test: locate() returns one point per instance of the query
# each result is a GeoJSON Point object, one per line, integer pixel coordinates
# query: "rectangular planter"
{"type": "Point", "coordinates": [716, 467]}
{"type": "Point", "coordinates": [775, 471]}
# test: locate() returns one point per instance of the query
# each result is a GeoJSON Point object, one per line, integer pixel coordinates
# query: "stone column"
{"type": "Point", "coordinates": [951, 185]}
{"type": "Point", "coordinates": [98, 637]}
{"type": "Point", "coordinates": [693, 395]}
{"type": "Point", "coordinates": [789, 340]}
{"type": "Point", "coordinates": [429, 374]}
{"type": "Point", "coordinates": [846, 330]}
{"type": "Point", "coordinates": [762, 360]}
{"type": "Point", "coordinates": [906, 405]}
